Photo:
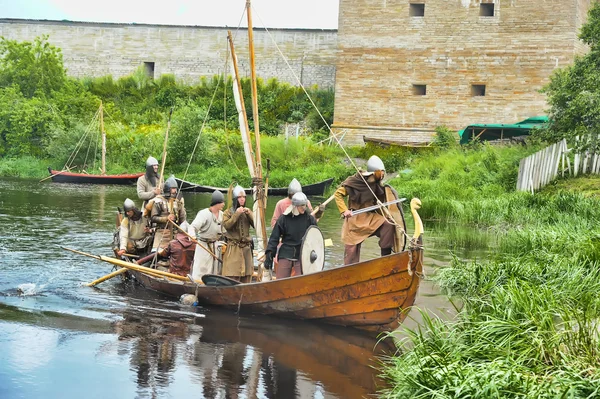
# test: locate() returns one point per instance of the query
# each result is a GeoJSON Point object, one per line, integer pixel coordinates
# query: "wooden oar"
{"type": "Point", "coordinates": [128, 265]}
{"type": "Point", "coordinates": [195, 241]}
{"type": "Point", "coordinates": [108, 276]}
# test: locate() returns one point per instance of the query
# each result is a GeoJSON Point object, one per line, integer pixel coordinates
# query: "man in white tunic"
{"type": "Point", "coordinates": [207, 229]}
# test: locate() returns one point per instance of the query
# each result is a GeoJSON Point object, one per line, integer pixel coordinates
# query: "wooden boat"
{"type": "Point", "coordinates": [317, 189]}
{"type": "Point", "coordinates": [66, 176]}
{"type": "Point", "coordinates": [84, 178]}
{"type": "Point", "coordinates": [373, 295]}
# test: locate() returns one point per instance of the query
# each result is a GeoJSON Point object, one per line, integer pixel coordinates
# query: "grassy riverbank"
{"type": "Point", "coordinates": [528, 326]}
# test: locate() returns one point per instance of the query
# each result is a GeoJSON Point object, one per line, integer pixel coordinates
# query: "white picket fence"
{"type": "Point", "coordinates": [539, 169]}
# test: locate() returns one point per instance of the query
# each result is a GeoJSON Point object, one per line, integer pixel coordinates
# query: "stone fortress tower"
{"type": "Point", "coordinates": [407, 66]}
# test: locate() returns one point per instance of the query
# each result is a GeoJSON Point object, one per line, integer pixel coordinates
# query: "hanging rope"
{"type": "Point", "coordinates": [79, 144]}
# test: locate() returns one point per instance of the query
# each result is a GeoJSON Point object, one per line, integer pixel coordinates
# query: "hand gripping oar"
{"type": "Point", "coordinates": [196, 241]}
{"type": "Point", "coordinates": [128, 265]}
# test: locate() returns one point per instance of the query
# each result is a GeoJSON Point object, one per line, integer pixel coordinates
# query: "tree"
{"type": "Point", "coordinates": [36, 68]}
{"type": "Point", "coordinates": [574, 92]}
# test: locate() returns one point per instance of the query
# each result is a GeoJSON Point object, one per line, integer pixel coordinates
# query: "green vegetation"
{"type": "Point", "coordinates": [44, 114]}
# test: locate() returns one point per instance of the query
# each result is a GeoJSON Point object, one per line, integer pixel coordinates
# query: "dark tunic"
{"type": "Point", "coordinates": [291, 230]}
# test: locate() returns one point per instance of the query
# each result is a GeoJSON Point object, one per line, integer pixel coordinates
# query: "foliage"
{"type": "Point", "coordinates": [35, 68]}
{"type": "Point", "coordinates": [445, 138]}
{"type": "Point", "coordinates": [574, 92]}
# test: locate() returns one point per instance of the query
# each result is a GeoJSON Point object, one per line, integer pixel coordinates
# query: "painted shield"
{"type": "Point", "coordinates": [312, 252]}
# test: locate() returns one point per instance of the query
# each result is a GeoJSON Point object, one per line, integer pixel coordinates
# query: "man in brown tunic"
{"type": "Point", "coordinates": [166, 207]}
{"type": "Point", "coordinates": [359, 189]}
{"type": "Point", "coordinates": [238, 261]}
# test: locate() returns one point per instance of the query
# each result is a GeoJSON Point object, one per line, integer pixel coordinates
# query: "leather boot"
{"type": "Point", "coordinates": [386, 251]}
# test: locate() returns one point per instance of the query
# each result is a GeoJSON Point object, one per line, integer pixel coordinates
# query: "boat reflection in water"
{"type": "Point", "coordinates": [255, 356]}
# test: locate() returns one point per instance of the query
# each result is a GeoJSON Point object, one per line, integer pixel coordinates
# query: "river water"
{"type": "Point", "coordinates": [60, 339]}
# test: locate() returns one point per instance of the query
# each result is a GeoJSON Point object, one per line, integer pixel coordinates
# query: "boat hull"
{"type": "Point", "coordinates": [309, 189]}
{"type": "Point", "coordinates": [373, 295]}
{"type": "Point", "coordinates": [83, 178]}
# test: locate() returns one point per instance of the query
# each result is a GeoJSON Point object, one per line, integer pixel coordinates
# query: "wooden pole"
{"type": "Point", "coordinates": [327, 201]}
{"type": "Point", "coordinates": [108, 276]}
{"type": "Point", "coordinates": [260, 196]}
{"type": "Point", "coordinates": [122, 263]}
{"type": "Point", "coordinates": [164, 154]}
{"type": "Point", "coordinates": [103, 171]}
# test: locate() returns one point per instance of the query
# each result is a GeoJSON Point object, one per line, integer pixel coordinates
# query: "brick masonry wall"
{"type": "Point", "coordinates": [188, 52]}
{"type": "Point", "coordinates": [383, 52]}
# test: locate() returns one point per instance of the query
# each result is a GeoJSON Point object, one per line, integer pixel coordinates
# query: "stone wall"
{"type": "Point", "coordinates": [384, 52]}
{"type": "Point", "coordinates": [188, 52]}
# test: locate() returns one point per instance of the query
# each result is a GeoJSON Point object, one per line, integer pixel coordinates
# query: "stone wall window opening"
{"type": "Point", "coordinates": [477, 90]}
{"type": "Point", "coordinates": [486, 10]}
{"type": "Point", "coordinates": [416, 9]}
{"type": "Point", "coordinates": [149, 69]}
{"type": "Point", "coordinates": [419, 90]}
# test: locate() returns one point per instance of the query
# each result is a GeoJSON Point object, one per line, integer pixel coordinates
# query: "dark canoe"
{"type": "Point", "coordinates": [84, 178]}
{"type": "Point", "coordinates": [373, 295]}
{"type": "Point", "coordinates": [309, 189]}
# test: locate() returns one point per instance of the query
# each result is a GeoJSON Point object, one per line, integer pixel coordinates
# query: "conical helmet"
{"type": "Point", "coordinates": [299, 199]}
{"type": "Point", "coordinates": [238, 190]}
{"type": "Point", "coordinates": [151, 161]}
{"type": "Point", "coordinates": [294, 187]}
{"type": "Point", "coordinates": [169, 184]}
{"type": "Point", "coordinates": [128, 205]}
{"type": "Point", "coordinates": [374, 164]}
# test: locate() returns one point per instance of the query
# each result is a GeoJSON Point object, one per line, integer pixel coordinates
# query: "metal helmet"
{"type": "Point", "coordinates": [238, 190]}
{"type": "Point", "coordinates": [151, 161]}
{"type": "Point", "coordinates": [299, 199]}
{"type": "Point", "coordinates": [128, 205]}
{"type": "Point", "coordinates": [374, 164]}
{"type": "Point", "coordinates": [294, 187]}
{"type": "Point", "coordinates": [169, 184]}
{"type": "Point", "coordinates": [217, 197]}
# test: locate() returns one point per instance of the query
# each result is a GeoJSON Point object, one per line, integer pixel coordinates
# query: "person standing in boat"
{"type": "Point", "coordinates": [238, 262]}
{"type": "Point", "coordinates": [166, 207]}
{"type": "Point", "coordinates": [207, 229]}
{"type": "Point", "coordinates": [134, 232]}
{"type": "Point", "coordinates": [283, 204]}
{"type": "Point", "coordinates": [290, 228]}
{"type": "Point", "coordinates": [147, 183]}
{"type": "Point", "coordinates": [364, 189]}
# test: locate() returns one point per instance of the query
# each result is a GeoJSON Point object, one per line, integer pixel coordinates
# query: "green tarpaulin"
{"type": "Point", "coordinates": [497, 131]}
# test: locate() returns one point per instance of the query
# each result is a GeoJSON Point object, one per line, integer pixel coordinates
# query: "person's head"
{"type": "Point", "coordinates": [294, 187]}
{"type": "Point", "coordinates": [151, 165]}
{"type": "Point", "coordinates": [217, 200]}
{"type": "Point", "coordinates": [239, 197]}
{"type": "Point", "coordinates": [170, 187]}
{"type": "Point", "coordinates": [129, 207]}
{"type": "Point", "coordinates": [299, 201]}
{"type": "Point", "coordinates": [376, 167]}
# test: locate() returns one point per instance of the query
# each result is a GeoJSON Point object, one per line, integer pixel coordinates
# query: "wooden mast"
{"type": "Point", "coordinates": [103, 169]}
{"type": "Point", "coordinates": [258, 173]}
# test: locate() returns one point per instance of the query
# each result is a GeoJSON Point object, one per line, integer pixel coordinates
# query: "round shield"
{"type": "Point", "coordinates": [312, 252]}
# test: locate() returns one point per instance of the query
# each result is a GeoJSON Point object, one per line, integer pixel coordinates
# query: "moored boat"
{"type": "Point", "coordinates": [84, 178]}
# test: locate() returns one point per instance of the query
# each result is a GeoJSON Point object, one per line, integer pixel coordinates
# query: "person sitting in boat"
{"type": "Point", "coordinates": [180, 252]}
{"type": "Point", "coordinates": [238, 262]}
{"type": "Point", "coordinates": [147, 183]}
{"type": "Point", "coordinates": [166, 208]}
{"type": "Point", "coordinates": [290, 228]}
{"type": "Point", "coordinates": [283, 204]}
{"type": "Point", "coordinates": [207, 229]}
{"type": "Point", "coordinates": [363, 189]}
{"type": "Point", "coordinates": [134, 232]}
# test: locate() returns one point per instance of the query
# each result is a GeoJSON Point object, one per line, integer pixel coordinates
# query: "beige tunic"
{"type": "Point", "coordinates": [145, 189]}
{"type": "Point", "coordinates": [133, 234]}
{"type": "Point", "coordinates": [238, 259]}
{"type": "Point", "coordinates": [207, 230]}
{"type": "Point", "coordinates": [359, 227]}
